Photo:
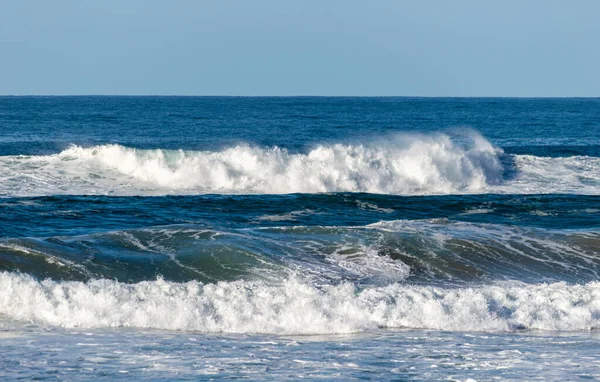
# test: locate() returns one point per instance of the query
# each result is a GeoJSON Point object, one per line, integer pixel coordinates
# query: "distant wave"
{"type": "Point", "coordinates": [408, 164]}
{"type": "Point", "coordinates": [297, 308]}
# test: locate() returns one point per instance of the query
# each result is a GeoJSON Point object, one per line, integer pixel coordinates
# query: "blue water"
{"type": "Point", "coordinates": [287, 238]}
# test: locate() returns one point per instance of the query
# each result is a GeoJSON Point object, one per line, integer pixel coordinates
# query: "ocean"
{"type": "Point", "coordinates": [196, 238]}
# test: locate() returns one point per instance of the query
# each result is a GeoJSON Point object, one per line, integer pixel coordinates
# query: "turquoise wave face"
{"type": "Point", "coordinates": [329, 238]}
{"type": "Point", "coordinates": [432, 252]}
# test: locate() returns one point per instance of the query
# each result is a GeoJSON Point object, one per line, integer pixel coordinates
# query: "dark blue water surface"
{"type": "Point", "coordinates": [43, 125]}
{"type": "Point", "coordinates": [294, 216]}
{"type": "Point", "coordinates": [521, 128]}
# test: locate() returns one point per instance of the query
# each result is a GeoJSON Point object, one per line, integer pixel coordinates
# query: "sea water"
{"type": "Point", "coordinates": [299, 238]}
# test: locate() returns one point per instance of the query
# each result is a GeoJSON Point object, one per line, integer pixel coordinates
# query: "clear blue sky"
{"type": "Point", "coordinates": [301, 47]}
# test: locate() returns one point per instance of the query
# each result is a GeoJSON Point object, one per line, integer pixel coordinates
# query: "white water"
{"type": "Point", "coordinates": [411, 164]}
{"type": "Point", "coordinates": [405, 165]}
{"type": "Point", "coordinates": [297, 308]}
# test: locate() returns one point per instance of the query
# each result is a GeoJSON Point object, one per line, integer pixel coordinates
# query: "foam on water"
{"type": "Point", "coordinates": [408, 164]}
{"type": "Point", "coordinates": [577, 174]}
{"type": "Point", "coordinates": [297, 308]}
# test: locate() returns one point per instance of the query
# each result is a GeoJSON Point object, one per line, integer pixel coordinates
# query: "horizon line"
{"type": "Point", "coordinates": [291, 96]}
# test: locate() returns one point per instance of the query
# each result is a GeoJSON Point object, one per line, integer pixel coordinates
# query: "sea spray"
{"type": "Point", "coordinates": [297, 308]}
{"type": "Point", "coordinates": [407, 164]}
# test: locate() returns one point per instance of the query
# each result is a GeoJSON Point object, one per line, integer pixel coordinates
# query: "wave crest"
{"type": "Point", "coordinates": [407, 164]}
{"type": "Point", "coordinates": [297, 308]}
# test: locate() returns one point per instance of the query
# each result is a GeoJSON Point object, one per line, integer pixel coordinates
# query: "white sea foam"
{"type": "Point", "coordinates": [364, 261]}
{"type": "Point", "coordinates": [409, 164]}
{"type": "Point", "coordinates": [290, 216]}
{"type": "Point", "coordinates": [577, 175]}
{"type": "Point", "coordinates": [297, 308]}
{"type": "Point", "coordinates": [405, 165]}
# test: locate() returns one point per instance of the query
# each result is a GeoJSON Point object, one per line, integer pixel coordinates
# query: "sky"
{"type": "Point", "coordinates": [520, 48]}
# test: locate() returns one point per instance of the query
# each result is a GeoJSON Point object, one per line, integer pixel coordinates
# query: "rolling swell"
{"type": "Point", "coordinates": [428, 252]}
{"type": "Point", "coordinates": [80, 215]}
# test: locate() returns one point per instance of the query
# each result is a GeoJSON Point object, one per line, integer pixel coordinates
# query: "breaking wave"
{"type": "Point", "coordinates": [407, 164]}
{"type": "Point", "coordinates": [297, 308]}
